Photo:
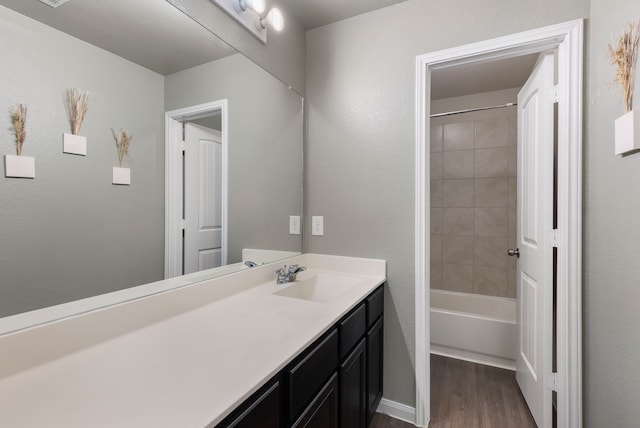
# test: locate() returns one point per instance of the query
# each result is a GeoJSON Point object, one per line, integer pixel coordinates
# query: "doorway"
{"type": "Point", "coordinates": [196, 164]}
{"type": "Point", "coordinates": [567, 39]}
{"type": "Point", "coordinates": [488, 195]}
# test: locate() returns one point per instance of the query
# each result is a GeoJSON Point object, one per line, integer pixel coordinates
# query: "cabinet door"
{"type": "Point", "coordinates": [323, 410]}
{"type": "Point", "coordinates": [262, 411]}
{"type": "Point", "coordinates": [353, 384]}
{"type": "Point", "coordinates": [374, 367]}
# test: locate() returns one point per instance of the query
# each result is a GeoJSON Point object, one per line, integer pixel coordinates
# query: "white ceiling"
{"type": "Point", "coordinates": [484, 77]}
{"type": "Point", "coordinates": [315, 13]}
{"type": "Point", "coordinates": [152, 33]}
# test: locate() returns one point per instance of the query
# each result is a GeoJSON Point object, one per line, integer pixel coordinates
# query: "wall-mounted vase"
{"type": "Point", "coordinates": [627, 137]}
{"type": "Point", "coordinates": [74, 144]}
{"type": "Point", "coordinates": [121, 176]}
{"type": "Point", "coordinates": [19, 166]}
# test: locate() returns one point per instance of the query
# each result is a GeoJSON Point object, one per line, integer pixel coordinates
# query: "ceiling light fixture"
{"type": "Point", "coordinates": [249, 13]}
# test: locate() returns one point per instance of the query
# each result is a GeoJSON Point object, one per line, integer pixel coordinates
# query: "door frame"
{"type": "Point", "coordinates": [174, 180]}
{"type": "Point", "coordinates": [567, 38]}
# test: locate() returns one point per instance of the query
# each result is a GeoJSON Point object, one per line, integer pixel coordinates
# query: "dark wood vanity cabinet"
{"type": "Point", "coordinates": [375, 350]}
{"type": "Point", "coordinates": [335, 383]}
{"type": "Point", "coordinates": [322, 412]}
{"type": "Point", "coordinates": [353, 388]}
{"type": "Point", "coordinates": [261, 410]}
{"type": "Point", "coordinates": [305, 377]}
{"type": "Point", "coordinates": [374, 368]}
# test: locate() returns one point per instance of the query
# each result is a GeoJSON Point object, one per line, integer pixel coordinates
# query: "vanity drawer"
{"type": "Point", "coordinates": [306, 377]}
{"type": "Point", "coordinates": [375, 306]}
{"type": "Point", "coordinates": [351, 329]}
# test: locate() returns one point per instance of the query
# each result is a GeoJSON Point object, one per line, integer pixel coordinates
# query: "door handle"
{"type": "Point", "coordinates": [512, 252]}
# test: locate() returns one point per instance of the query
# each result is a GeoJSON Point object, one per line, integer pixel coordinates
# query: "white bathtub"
{"type": "Point", "coordinates": [472, 327]}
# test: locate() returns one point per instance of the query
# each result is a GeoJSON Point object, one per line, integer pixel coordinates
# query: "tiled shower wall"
{"type": "Point", "coordinates": [473, 202]}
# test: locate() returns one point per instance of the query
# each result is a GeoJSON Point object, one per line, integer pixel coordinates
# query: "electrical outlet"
{"type": "Point", "coordinates": [317, 225]}
{"type": "Point", "coordinates": [294, 225]}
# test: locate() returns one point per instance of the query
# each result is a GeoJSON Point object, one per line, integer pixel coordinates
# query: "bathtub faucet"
{"type": "Point", "coordinates": [288, 275]}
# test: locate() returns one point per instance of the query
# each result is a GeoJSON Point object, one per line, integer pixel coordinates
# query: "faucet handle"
{"type": "Point", "coordinates": [292, 268]}
{"type": "Point", "coordinates": [281, 270]}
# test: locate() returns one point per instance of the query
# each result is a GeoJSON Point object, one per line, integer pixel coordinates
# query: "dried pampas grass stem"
{"type": "Point", "coordinates": [77, 104]}
{"type": "Point", "coordinates": [122, 140]}
{"type": "Point", "coordinates": [623, 55]}
{"type": "Point", "coordinates": [18, 120]}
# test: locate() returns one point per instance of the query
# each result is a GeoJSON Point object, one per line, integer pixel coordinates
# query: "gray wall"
{"type": "Point", "coordinates": [612, 238]}
{"type": "Point", "coordinates": [70, 233]}
{"type": "Point", "coordinates": [265, 148]}
{"type": "Point", "coordinates": [284, 53]}
{"type": "Point", "coordinates": [360, 125]}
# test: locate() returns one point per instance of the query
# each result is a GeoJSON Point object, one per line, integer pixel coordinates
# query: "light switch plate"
{"type": "Point", "coordinates": [317, 225]}
{"type": "Point", "coordinates": [294, 225]}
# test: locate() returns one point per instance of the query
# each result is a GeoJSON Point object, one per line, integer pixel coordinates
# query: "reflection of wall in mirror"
{"type": "Point", "coordinates": [265, 148]}
{"type": "Point", "coordinates": [70, 233]}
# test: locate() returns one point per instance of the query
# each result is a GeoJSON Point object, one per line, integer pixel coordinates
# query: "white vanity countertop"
{"type": "Point", "coordinates": [187, 369]}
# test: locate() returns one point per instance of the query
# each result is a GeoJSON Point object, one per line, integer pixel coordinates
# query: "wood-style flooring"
{"type": "Point", "coordinates": [468, 395]}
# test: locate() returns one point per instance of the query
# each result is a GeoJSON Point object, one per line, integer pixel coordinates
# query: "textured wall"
{"type": "Point", "coordinates": [612, 239]}
{"type": "Point", "coordinates": [473, 196]}
{"type": "Point", "coordinates": [360, 145]}
{"type": "Point", "coordinates": [70, 233]}
{"type": "Point", "coordinates": [265, 148]}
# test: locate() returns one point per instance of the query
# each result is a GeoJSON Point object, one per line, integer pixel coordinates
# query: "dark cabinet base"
{"type": "Point", "coordinates": [374, 368]}
{"type": "Point", "coordinates": [262, 410]}
{"type": "Point", "coordinates": [353, 381]}
{"type": "Point", "coordinates": [323, 410]}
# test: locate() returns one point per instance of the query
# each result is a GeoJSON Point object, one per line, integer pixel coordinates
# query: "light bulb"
{"type": "Point", "coordinates": [274, 19]}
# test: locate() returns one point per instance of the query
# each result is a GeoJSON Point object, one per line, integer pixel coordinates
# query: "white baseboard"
{"type": "Point", "coordinates": [397, 410]}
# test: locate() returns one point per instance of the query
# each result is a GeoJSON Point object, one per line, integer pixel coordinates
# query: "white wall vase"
{"type": "Point", "coordinates": [121, 176]}
{"type": "Point", "coordinates": [627, 137]}
{"type": "Point", "coordinates": [74, 144]}
{"type": "Point", "coordinates": [19, 166]}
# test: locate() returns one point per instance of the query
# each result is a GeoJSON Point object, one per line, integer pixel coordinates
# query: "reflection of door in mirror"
{"type": "Point", "coordinates": [197, 198]}
{"type": "Point", "coordinates": [203, 200]}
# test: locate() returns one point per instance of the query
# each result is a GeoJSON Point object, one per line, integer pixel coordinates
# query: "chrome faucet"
{"type": "Point", "coordinates": [288, 275]}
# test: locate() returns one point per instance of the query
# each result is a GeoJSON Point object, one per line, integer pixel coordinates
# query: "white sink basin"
{"type": "Point", "coordinates": [319, 287]}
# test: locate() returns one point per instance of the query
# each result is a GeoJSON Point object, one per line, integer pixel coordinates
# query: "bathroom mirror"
{"type": "Point", "coordinates": [70, 233]}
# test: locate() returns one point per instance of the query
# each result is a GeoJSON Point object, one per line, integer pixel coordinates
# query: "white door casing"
{"type": "Point", "coordinates": [567, 37]}
{"type": "Point", "coordinates": [535, 223]}
{"type": "Point", "coordinates": [203, 207]}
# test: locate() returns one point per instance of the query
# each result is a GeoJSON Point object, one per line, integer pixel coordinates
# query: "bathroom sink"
{"type": "Point", "coordinates": [319, 287]}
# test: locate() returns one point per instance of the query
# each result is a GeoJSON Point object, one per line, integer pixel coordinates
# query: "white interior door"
{"type": "Point", "coordinates": [203, 202]}
{"type": "Point", "coordinates": [535, 222]}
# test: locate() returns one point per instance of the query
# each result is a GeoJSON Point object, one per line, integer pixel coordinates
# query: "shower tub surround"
{"type": "Point", "coordinates": [183, 356]}
{"type": "Point", "coordinates": [473, 195]}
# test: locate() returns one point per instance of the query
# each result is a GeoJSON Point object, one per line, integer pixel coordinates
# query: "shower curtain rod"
{"type": "Point", "coordinates": [449, 113]}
